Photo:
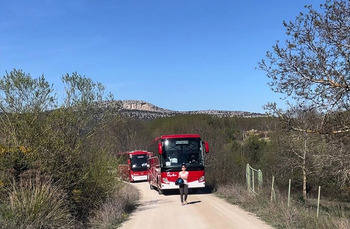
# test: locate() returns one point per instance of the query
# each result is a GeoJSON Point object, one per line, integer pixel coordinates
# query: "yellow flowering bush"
{"type": "Point", "coordinates": [24, 149]}
{"type": "Point", "coordinates": [2, 150]}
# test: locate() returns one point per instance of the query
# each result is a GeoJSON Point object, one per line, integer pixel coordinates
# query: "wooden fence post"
{"type": "Point", "coordinates": [290, 183]}
{"type": "Point", "coordinates": [253, 179]}
{"type": "Point", "coordinates": [260, 180]}
{"type": "Point", "coordinates": [248, 177]}
{"type": "Point", "coordinates": [273, 194]}
{"type": "Point", "coordinates": [318, 200]}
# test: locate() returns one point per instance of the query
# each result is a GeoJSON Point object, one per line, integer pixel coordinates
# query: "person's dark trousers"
{"type": "Point", "coordinates": [183, 191]}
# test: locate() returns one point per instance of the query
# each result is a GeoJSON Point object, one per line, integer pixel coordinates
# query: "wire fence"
{"type": "Point", "coordinates": [254, 178]}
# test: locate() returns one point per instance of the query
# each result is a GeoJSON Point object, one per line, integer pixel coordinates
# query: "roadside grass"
{"type": "Point", "coordinates": [35, 203]}
{"type": "Point", "coordinates": [279, 215]}
{"type": "Point", "coordinates": [116, 209]}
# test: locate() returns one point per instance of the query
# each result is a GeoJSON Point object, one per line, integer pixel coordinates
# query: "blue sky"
{"type": "Point", "coordinates": [176, 54]}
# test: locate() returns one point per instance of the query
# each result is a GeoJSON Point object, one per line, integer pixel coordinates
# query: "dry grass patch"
{"type": "Point", "coordinates": [278, 214]}
{"type": "Point", "coordinates": [36, 203]}
{"type": "Point", "coordinates": [115, 210]}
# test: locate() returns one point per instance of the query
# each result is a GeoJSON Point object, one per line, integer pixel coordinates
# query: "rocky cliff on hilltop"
{"type": "Point", "coordinates": [146, 111]}
{"type": "Point", "coordinates": [142, 106]}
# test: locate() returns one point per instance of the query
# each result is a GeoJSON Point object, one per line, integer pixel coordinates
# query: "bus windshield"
{"type": "Point", "coordinates": [139, 162]}
{"type": "Point", "coordinates": [182, 150]}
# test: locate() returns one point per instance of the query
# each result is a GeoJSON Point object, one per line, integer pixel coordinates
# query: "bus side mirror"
{"type": "Point", "coordinates": [206, 147]}
{"type": "Point", "coordinates": [160, 150]}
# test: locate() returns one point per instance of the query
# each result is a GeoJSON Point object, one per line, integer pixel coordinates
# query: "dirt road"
{"type": "Point", "coordinates": [202, 211]}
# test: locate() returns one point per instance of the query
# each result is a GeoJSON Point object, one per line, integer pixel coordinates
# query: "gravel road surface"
{"type": "Point", "coordinates": [202, 211]}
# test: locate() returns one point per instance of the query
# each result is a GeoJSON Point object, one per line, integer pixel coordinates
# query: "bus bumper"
{"type": "Point", "coordinates": [194, 184]}
{"type": "Point", "coordinates": [139, 178]}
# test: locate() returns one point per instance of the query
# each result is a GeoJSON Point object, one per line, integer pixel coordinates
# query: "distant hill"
{"type": "Point", "coordinates": [143, 110]}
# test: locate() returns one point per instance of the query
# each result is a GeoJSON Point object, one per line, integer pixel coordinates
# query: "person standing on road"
{"type": "Point", "coordinates": [183, 187]}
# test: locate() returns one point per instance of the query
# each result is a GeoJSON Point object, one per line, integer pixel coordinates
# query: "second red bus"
{"type": "Point", "coordinates": [136, 168]}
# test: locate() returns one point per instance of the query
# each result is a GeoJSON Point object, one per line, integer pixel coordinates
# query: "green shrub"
{"type": "Point", "coordinates": [93, 183]}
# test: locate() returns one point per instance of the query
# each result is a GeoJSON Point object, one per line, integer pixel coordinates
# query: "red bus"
{"type": "Point", "coordinates": [136, 168]}
{"type": "Point", "coordinates": [169, 152]}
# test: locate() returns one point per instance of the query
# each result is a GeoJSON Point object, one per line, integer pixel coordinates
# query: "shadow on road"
{"type": "Point", "coordinates": [150, 204]}
{"type": "Point", "coordinates": [206, 190]}
{"type": "Point", "coordinates": [138, 181]}
{"type": "Point", "coordinates": [194, 202]}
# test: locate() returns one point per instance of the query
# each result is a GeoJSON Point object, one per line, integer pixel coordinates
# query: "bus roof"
{"type": "Point", "coordinates": [134, 152]}
{"type": "Point", "coordinates": [137, 152]}
{"type": "Point", "coordinates": [177, 136]}
{"type": "Point", "coordinates": [180, 136]}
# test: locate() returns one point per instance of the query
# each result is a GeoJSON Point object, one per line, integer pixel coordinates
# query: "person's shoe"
{"type": "Point", "coordinates": [182, 203]}
{"type": "Point", "coordinates": [185, 202]}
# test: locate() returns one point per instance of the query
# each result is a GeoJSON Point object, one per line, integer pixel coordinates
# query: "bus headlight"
{"type": "Point", "coordinates": [165, 180]}
{"type": "Point", "coordinates": [201, 179]}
